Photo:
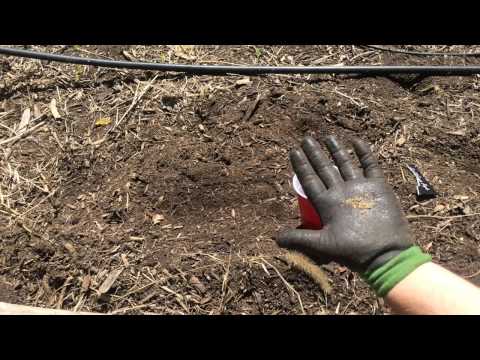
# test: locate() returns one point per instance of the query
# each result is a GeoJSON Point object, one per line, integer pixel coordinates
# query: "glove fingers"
{"type": "Point", "coordinates": [342, 159]}
{"type": "Point", "coordinates": [311, 183]}
{"type": "Point", "coordinates": [367, 159]}
{"type": "Point", "coordinates": [321, 163]}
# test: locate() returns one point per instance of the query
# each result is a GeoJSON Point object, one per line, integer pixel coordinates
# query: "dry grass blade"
{"type": "Point", "coordinates": [436, 217]}
{"type": "Point", "coordinates": [15, 138]}
{"type": "Point", "coordinates": [302, 263]}
{"type": "Point", "coordinates": [136, 99]}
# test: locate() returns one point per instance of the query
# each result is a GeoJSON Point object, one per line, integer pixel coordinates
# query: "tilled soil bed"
{"type": "Point", "coordinates": [161, 193]}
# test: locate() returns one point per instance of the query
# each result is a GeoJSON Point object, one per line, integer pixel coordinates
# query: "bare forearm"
{"type": "Point", "coordinates": [433, 290]}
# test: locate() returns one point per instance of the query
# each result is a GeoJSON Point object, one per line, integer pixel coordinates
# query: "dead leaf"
{"type": "Point", "coordinates": [197, 284]}
{"type": "Point", "coordinates": [184, 52]}
{"type": "Point", "coordinates": [54, 110]}
{"type": "Point", "coordinates": [157, 218]}
{"type": "Point", "coordinates": [103, 121]}
{"type": "Point", "coordinates": [109, 281]}
{"type": "Point", "coordinates": [401, 140]}
{"type": "Point", "coordinates": [438, 208]}
{"type": "Point", "coordinates": [460, 197]}
{"type": "Point", "coordinates": [25, 120]}
{"type": "Point", "coordinates": [128, 56]}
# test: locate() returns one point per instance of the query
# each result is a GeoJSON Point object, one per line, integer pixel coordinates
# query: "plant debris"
{"type": "Point", "coordinates": [193, 228]}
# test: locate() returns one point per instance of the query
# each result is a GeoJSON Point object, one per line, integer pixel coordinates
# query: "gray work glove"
{"type": "Point", "coordinates": [364, 226]}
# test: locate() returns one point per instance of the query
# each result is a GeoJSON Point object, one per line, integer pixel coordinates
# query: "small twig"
{"type": "Point", "coordinates": [136, 99]}
{"type": "Point", "coordinates": [288, 285]}
{"type": "Point", "coordinates": [252, 108]}
{"type": "Point", "coordinates": [15, 138]}
{"type": "Point", "coordinates": [225, 283]}
{"type": "Point", "coordinates": [349, 98]}
{"type": "Point", "coordinates": [37, 204]}
{"type": "Point", "coordinates": [473, 275]}
{"type": "Point", "coordinates": [122, 310]}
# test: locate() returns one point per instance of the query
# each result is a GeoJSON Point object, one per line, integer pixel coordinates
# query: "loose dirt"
{"type": "Point", "coordinates": [187, 191]}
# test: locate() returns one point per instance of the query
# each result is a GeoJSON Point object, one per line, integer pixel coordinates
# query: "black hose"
{"type": "Point", "coordinates": [248, 70]}
{"type": "Point", "coordinates": [419, 53]}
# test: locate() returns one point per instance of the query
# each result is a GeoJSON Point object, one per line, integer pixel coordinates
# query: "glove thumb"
{"type": "Point", "coordinates": [314, 243]}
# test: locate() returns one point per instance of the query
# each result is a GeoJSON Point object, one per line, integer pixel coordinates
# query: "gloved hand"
{"type": "Point", "coordinates": [364, 227]}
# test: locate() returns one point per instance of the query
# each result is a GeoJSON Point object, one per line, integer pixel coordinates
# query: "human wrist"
{"type": "Point", "coordinates": [384, 278]}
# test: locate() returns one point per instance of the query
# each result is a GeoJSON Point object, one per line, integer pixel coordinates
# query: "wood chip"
{"type": "Point", "coordinates": [244, 81]}
{"type": "Point", "coordinates": [109, 281]}
{"type": "Point", "coordinates": [125, 260]}
{"type": "Point", "coordinates": [401, 140]}
{"type": "Point", "coordinates": [86, 281]}
{"type": "Point", "coordinates": [70, 248]}
{"type": "Point", "coordinates": [157, 218]}
{"type": "Point", "coordinates": [36, 111]}
{"type": "Point", "coordinates": [54, 110]}
{"type": "Point", "coordinates": [103, 121]}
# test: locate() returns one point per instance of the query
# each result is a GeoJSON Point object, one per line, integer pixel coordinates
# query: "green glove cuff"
{"type": "Point", "coordinates": [383, 279]}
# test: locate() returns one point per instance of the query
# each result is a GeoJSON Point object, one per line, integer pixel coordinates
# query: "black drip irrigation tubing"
{"type": "Point", "coordinates": [248, 70]}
